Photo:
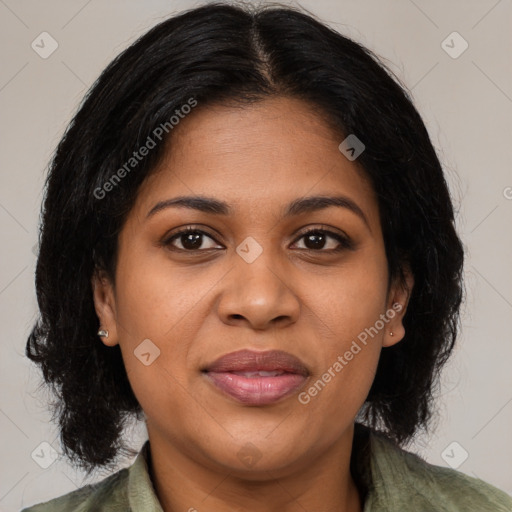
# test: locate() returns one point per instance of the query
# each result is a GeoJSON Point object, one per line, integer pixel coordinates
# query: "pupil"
{"type": "Point", "coordinates": [317, 239]}
{"type": "Point", "coordinates": [192, 241]}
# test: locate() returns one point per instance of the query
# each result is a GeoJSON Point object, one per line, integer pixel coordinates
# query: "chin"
{"type": "Point", "coordinates": [259, 458]}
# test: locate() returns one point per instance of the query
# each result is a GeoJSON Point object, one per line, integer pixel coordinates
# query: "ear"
{"type": "Point", "coordinates": [398, 300]}
{"type": "Point", "coordinates": [105, 306]}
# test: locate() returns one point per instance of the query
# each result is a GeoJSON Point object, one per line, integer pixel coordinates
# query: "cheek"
{"type": "Point", "coordinates": [155, 300]}
{"type": "Point", "coordinates": [348, 302]}
{"type": "Point", "coordinates": [159, 315]}
{"type": "Point", "coordinates": [348, 362]}
{"type": "Point", "coordinates": [348, 314]}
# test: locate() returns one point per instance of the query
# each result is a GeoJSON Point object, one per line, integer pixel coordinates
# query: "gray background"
{"type": "Point", "coordinates": [466, 103]}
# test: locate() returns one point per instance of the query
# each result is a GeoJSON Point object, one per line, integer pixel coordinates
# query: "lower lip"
{"type": "Point", "coordinates": [256, 390]}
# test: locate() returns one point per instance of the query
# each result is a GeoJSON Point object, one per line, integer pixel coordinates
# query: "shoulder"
{"type": "Point", "coordinates": [108, 494]}
{"type": "Point", "coordinates": [403, 479]}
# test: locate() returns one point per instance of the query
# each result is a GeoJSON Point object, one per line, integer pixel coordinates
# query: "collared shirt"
{"type": "Point", "coordinates": [389, 478]}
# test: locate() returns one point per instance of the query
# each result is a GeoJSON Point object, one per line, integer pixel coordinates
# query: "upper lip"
{"type": "Point", "coordinates": [249, 360]}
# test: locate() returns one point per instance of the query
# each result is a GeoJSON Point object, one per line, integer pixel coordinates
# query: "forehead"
{"type": "Point", "coordinates": [261, 155]}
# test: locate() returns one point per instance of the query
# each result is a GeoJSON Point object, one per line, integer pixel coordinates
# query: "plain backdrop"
{"type": "Point", "coordinates": [465, 98]}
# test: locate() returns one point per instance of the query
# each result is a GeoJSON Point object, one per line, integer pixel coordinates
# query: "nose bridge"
{"type": "Point", "coordinates": [258, 291]}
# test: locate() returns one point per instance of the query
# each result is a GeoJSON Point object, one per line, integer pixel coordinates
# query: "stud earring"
{"type": "Point", "coordinates": [391, 334]}
{"type": "Point", "coordinates": [103, 333]}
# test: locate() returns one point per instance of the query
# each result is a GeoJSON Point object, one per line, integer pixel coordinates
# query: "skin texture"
{"type": "Point", "coordinates": [198, 305]}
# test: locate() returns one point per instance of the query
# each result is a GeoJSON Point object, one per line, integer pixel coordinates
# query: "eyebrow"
{"type": "Point", "coordinates": [297, 207]}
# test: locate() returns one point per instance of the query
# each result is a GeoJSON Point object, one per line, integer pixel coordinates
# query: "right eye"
{"type": "Point", "coordinates": [191, 239]}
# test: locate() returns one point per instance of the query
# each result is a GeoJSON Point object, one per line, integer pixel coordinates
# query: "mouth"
{"type": "Point", "coordinates": [257, 378]}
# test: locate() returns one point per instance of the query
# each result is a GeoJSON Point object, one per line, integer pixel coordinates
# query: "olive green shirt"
{"type": "Point", "coordinates": [389, 479]}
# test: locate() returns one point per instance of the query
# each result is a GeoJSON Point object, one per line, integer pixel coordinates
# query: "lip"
{"type": "Point", "coordinates": [227, 375]}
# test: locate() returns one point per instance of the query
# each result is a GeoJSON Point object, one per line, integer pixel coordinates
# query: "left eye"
{"type": "Point", "coordinates": [316, 239]}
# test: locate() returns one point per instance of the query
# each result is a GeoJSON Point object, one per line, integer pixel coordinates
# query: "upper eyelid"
{"type": "Point", "coordinates": [325, 229]}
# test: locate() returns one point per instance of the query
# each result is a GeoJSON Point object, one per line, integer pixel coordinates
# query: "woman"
{"type": "Point", "coordinates": [248, 243]}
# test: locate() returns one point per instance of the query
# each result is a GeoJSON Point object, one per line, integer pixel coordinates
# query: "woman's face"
{"type": "Point", "coordinates": [251, 278]}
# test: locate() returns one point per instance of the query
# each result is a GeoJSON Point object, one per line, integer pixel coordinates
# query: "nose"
{"type": "Point", "coordinates": [258, 294]}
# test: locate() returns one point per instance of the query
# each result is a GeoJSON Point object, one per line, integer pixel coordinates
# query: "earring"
{"type": "Point", "coordinates": [391, 334]}
{"type": "Point", "coordinates": [103, 333]}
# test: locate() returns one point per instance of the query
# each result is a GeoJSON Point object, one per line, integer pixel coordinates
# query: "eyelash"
{"type": "Point", "coordinates": [345, 242]}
